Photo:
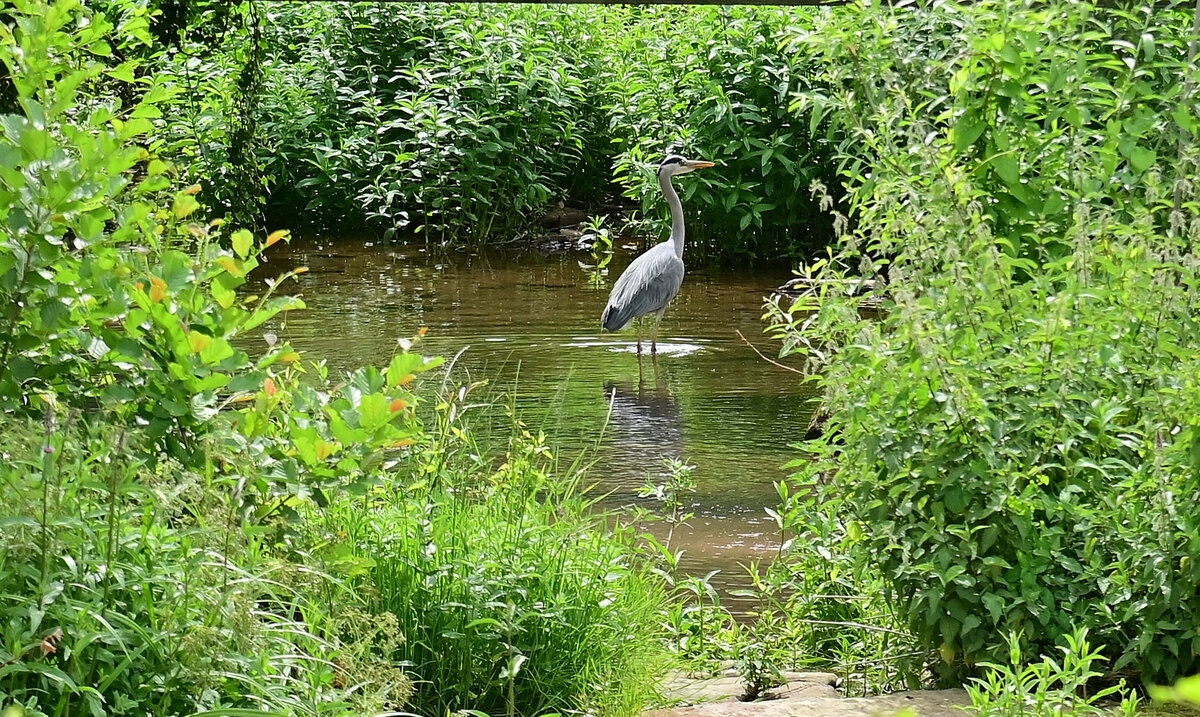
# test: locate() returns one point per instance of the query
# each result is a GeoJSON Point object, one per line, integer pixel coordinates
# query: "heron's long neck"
{"type": "Point", "coordinates": [676, 213]}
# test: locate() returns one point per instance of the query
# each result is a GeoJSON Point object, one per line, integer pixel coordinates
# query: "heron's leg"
{"type": "Point", "coordinates": [654, 331]}
{"type": "Point", "coordinates": [638, 325]}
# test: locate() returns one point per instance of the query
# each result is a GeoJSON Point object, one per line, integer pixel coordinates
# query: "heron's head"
{"type": "Point", "coordinates": [676, 164]}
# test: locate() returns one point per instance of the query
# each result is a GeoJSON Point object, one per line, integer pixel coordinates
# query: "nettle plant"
{"type": "Point", "coordinates": [1012, 443]}
{"type": "Point", "coordinates": [450, 121]}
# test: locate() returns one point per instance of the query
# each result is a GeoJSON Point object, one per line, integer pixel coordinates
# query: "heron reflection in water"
{"type": "Point", "coordinates": [647, 423]}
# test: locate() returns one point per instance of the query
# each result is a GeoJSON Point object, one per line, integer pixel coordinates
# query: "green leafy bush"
{"type": "Point", "coordinates": [1012, 444]}
{"type": "Point", "coordinates": [452, 120]}
{"type": "Point", "coordinates": [713, 82]}
{"type": "Point", "coordinates": [99, 305]}
{"type": "Point", "coordinates": [464, 122]}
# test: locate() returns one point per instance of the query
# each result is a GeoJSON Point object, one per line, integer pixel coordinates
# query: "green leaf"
{"type": "Point", "coordinates": [374, 411]}
{"type": "Point", "coordinates": [1141, 158]}
{"type": "Point", "coordinates": [305, 442]}
{"type": "Point", "coordinates": [268, 310]}
{"type": "Point", "coordinates": [184, 205]}
{"type": "Point", "coordinates": [216, 351]}
{"type": "Point", "coordinates": [1007, 168]}
{"type": "Point", "coordinates": [146, 110]}
{"type": "Point", "coordinates": [176, 270]}
{"type": "Point", "coordinates": [957, 499]}
{"type": "Point", "coordinates": [403, 367]}
{"type": "Point", "coordinates": [968, 129]}
{"type": "Point", "coordinates": [222, 294]}
{"type": "Point", "coordinates": [343, 432]}
{"type": "Point", "coordinates": [238, 712]}
{"type": "Point", "coordinates": [242, 241]}
{"type": "Point", "coordinates": [1184, 118]}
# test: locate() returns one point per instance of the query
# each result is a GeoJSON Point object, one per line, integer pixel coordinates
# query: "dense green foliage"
{"type": "Point", "coordinates": [134, 590]}
{"type": "Point", "coordinates": [495, 613]}
{"type": "Point", "coordinates": [1013, 445]}
{"type": "Point", "coordinates": [434, 120]}
{"type": "Point", "coordinates": [194, 524]}
{"type": "Point", "coordinates": [169, 541]}
{"type": "Point", "coordinates": [714, 83]}
{"type": "Point", "coordinates": [464, 122]}
{"type": "Point", "coordinates": [100, 307]}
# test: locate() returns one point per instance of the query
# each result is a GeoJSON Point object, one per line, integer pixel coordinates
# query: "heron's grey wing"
{"type": "Point", "coordinates": [648, 285]}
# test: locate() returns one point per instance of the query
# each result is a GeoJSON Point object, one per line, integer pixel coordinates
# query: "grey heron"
{"type": "Point", "coordinates": [653, 279]}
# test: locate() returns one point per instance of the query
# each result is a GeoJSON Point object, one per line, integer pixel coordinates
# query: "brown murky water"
{"type": "Point", "coordinates": [529, 324]}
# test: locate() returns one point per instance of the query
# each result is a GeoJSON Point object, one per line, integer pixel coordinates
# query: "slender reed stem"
{"type": "Point", "coordinates": [114, 492]}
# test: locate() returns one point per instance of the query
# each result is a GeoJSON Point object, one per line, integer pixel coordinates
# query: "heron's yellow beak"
{"type": "Point", "coordinates": [698, 164]}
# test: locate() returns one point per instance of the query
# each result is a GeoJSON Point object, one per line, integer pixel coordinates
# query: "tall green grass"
{"type": "Point", "coordinates": [511, 594]}
{"type": "Point", "coordinates": [131, 589]}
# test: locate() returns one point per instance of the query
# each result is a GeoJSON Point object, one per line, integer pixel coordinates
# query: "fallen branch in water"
{"type": "Point", "coordinates": [763, 357]}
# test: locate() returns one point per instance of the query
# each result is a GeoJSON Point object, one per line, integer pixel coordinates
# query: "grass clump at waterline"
{"type": "Point", "coordinates": [509, 593]}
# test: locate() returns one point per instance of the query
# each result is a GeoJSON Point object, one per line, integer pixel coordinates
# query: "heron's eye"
{"type": "Point", "coordinates": [670, 161]}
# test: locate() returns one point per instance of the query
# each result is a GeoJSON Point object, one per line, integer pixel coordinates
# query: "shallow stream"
{"type": "Point", "coordinates": [529, 324]}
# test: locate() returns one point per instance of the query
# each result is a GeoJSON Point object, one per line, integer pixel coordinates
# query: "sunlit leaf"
{"type": "Point", "coordinates": [374, 411]}
{"type": "Point", "coordinates": [198, 341]}
{"type": "Point", "coordinates": [184, 205]}
{"type": "Point", "coordinates": [222, 294]}
{"type": "Point", "coordinates": [242, 240]}
{"type": "Point", "coordinates": [235, 267]}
